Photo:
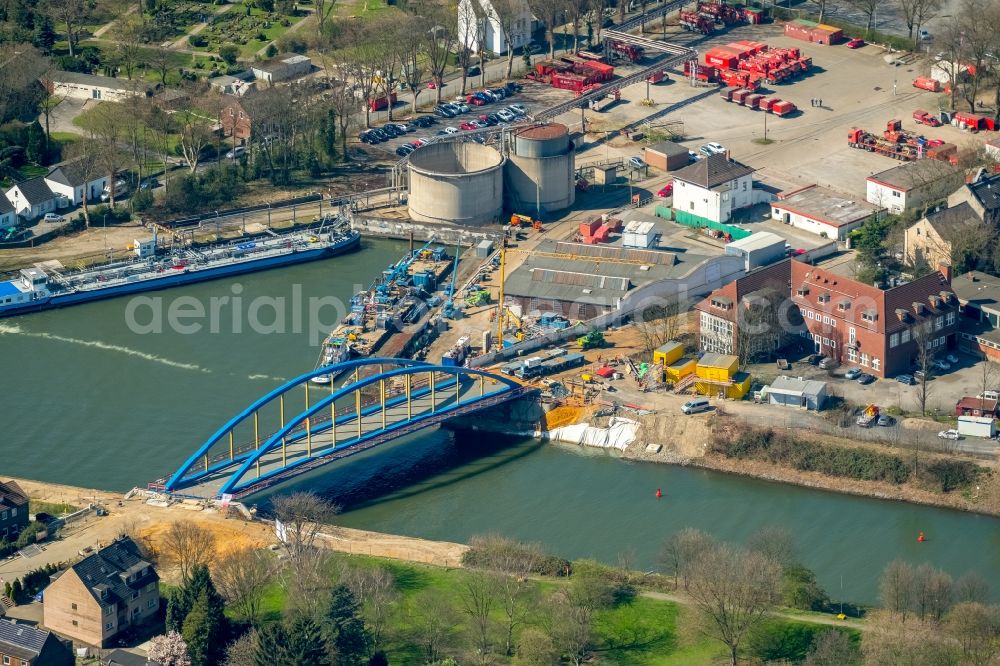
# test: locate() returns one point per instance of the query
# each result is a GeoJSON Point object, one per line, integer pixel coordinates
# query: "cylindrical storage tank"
{"type": "Point", "coordinates": [541, 170]}
{"type": "Point", "coordinates": [457, 182]}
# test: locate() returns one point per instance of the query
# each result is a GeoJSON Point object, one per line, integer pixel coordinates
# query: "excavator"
{"type": "Point", "coordinates": [517, 221]}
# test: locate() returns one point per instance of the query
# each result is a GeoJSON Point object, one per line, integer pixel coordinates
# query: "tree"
{"type": "Point", "coordinates": [345, 631]}
{"type": "Point", "coordinates": [73, 14]}
{"type": "Point", "coordinates": [888, 641]}
{"type": "Point", "coordinates": [357, 58]}
{"type": "Point", "coordinates": [205, 629]}
{"type": "Point", "coordinates": [916, 13]}
{"type": "Point", "coordinates": [478, 596]}
{"type": "Point", "coordinates": [35, 151]}
{"type": "Point", "coordinates": [181, 600]}
{"type": "Point", "coordinates": [160, 61]}
{"type": "Point", "coordinates": [535, 648]}
{"type": "Point", "coordinates": [242, 576]}
{"type": "Point", "coordinates": [800, 589]}
{"type": "Point", "coordinates": [228, 53]}
{"type": "Point", "coordinates": [440, 43]}
{"type": "Point", "coordinates": [896, 588]}
{"type": "Point", "coordinates": [242, 651]}
{"type": "Point", "coordinates": [301, 516]}
{"type": "Point", "coordinates": [84, 153]}
{"type": "Point", "coordinates": [574, 11]}
{"type": "Point", "coordinates": [299, 642]}
{"type": "Point", "coordinates": [435, 621]}
{"type": "Point", "coordinates": [549, 12]}
{"type": "Point", "coordinates": [128, 44]}
{"type": "Point", "coordinates": [760, 327]}
{"type": "Point", "coordinates": [411, 54]}
{"type": "Point", "coordinates": [734, 590]}
{"type": "Point", "coordinates": [833, 648]}
{"type": "Point", "coordinates": [873, 258]}
{"type": "Point", "coordinates": [657, 324]}
{"type": "Point", "coordinates": [931, 592]}
{"type": "Point", "coordinates": [195, 136]}
{"type": "Point", "coordinates": [775, 542]}
{"type": "Point", "coordinates": [188, 545]}
{"type": "Point", "coordinates": [867, 9]}
{"type": "Point", "coordinates": [972, 587]}
{"type": "Point", "coordinates": [821, 7]}
{"type": "Point", "coordinates": [976, 628]}
{"type": "Point", "coordinates": [923, 337]}
{"type": "Point", "coordinates": [376, 594]}
{"type": "Point", "coordinates": [44, 36]}
{"type": "Point", "coordinates": [506, 15]}
{"type": "Point", "coordinates": [169, 649]}
{"type": "Point", "coordinates": [679, 553]}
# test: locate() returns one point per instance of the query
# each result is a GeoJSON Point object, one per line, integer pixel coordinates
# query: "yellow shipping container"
{"type": "Point", "coordinates": [681, 369]}
{"type": "Point", "coordinates": [668, 353]}
{"type": "Point", "coordinates": [717, 367]}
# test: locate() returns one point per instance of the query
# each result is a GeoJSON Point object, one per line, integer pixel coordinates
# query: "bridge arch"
{"type": "Point", "coordinates": [325, 431]}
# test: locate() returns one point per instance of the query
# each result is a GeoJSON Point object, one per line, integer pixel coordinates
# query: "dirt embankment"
{"type": "Point", "coordinates": [687, 441]}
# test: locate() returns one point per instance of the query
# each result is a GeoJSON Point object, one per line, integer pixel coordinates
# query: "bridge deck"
{"type": "Point", "coordinates": [301, 452]}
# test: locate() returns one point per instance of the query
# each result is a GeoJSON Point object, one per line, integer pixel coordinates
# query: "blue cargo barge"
{"type": "Point", "coordinates": [151, 267]}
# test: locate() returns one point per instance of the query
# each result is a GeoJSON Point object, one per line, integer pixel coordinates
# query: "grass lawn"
{"type": "Point", "coordinates": [53, 508]}
{"type": "Point", "coordinates": [32, 171]}
{"type": "Point", "coordinates": [66, 137]}
{"type": "Point", "coordinates": [640, 633]}
{"type": "Point", "coordinates": [236, 27]}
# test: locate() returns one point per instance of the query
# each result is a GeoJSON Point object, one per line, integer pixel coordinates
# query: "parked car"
{"type": "Point", "coordinates": [506, 116]}
{"type": "Point", "coordinates": [121, 188]}
{"type": "Point", "coordinates": [951, 358]}
{"type": "Point", "coordinates": [949, 434]}
{"type": "Point", "coordinates": [443, 111]}
{"type": "Point", "coordinates": [479, 139]}
{"type": "Point", "coordinates": [424, 121]}
{"type": "Point", "coordinates": [906, 379]}
{"type": "Point", "coordinates": [467, 125]}
{"type": "Point", "coordinates": [853, 373]}
{"type": "Point", "coordinates": [886, 421]}
{"type": "Point", "coordinates": [476, 101]}
{"type": "Point", "coordinates": [693, 156]}
{"type": "Point", "coordinates": [474, 71]}
{"type": "Point", "coordinates": [814, 359]}
{"type": "Point", "coordinates": [856, 43]}
{"type": "Point", "coordinates": [513, 87]}
{"type": "Point", "coordinates": [712, 148]}
{"type": "Point", "coordinates": [500, 93]}
{"type": "Point", "coordinates": [450, 130]}
{"type": "Point", "coordinates": [828, 363]}
{"type": "Point", "coordinates": [462, 107]}
{"type": "Point", "coordinates": [149, 183]}
{"type": "Point", "coordinates": [238, 151]}
{"type": "Point", "coordinates": [925, 35]}
{"type": "Point", "coordinates": [486, 121]}
{"type": "Point", "coordinates": [519, 109]}
{"type": "Point", "coordinates": [404, 150]}
{"type": "Point", "coordinates": [52, 217]}
{"type": "Point", "coordinates": [918, 376]}
{"type": "Point", "coordinates": [666, 191]}
{"type": "Point", "coordinates": [636, 162]}
{"type": "Point", "coordinates": [988, 395]}
{"type": "Point", "coordinates": [942, 365]}
{"type": "Point", "coordinates": [865, 379]}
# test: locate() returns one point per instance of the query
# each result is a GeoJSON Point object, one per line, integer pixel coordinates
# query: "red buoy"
{"type": "Point", "coordinates": [921, 538]}
{"type": "Point", "coordinates": [659, 493]}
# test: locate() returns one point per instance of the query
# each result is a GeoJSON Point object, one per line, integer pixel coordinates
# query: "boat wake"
{"type": "Point", "coordinates": [268, 377]}
{"type": "Point", "coordinates": [14, 329]}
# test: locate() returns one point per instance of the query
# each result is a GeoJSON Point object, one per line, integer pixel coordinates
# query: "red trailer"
{"type": "Point", "coordinates": [658, 77]}
{"type": "Point", "coordinates": [970, 121]}
{"type": "Point", "coordinates": [766, 103]}
{"type": "Point", "coordinates": [600, 70]}
{"type": "Point", "coordinates": [752, 101]}
{"type": "Point", "coordinates": [781, 108]}
{"type": "Point", "coordinates": [696, 22]}
{"type": "Point", "coordinates": [630, 52]}
{"type": "Point", "coordinates": [702, 72]}
{"type": "Point", "coordinates": [723, 58]}
{"type": "Point", "coordinates": [589, 228]}
{"type": "Point", "coordinates": [927, 83]}
{"type": "Point", "coordinates": [740, 96]}
{"type": "Point", "coordinates": [727, 93]}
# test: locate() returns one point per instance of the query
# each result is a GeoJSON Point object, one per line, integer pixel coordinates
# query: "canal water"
{"type": "Point", "coordinates": [89, 402]}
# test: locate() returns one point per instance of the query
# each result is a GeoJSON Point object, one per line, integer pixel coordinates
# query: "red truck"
{"type": "Point", "coordinates": [921, 117]}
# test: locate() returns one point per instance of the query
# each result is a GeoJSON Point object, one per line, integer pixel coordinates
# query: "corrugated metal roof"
{"type": "Point", "coordinates": [794, 386]}
{"type": "Point", "coordinates": [757, 241]}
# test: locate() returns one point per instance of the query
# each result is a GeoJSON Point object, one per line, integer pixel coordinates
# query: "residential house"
{"type": "Point", "coordinates": [102, 595]}
{"type": "Point", "coordinates": [712, 188]}
{"type": "Point", "coordinates": [912, 185]}
{"type": "Point", "coordinates": [480, 24]}
{"type": "Point", "coordinates": [979, 300]}
{"type": "Point", "coordinates": [982, 195]}
{"type": "Point", "coordinates": [24, 645]}
{"type": "Point", "coordinates": [231, 85]}
{"type": "Point", "coordinates": [8, 217]}
{"type": "Point", "coordinates": [844, 319]}
{"type": "Point", "coordinates": [235, 122]}
{"type": "Point", "coordinates": [972, 406]}
{"type": "Point", "coordinates": [821, 211]}
{"type": "Point", "coordinates": [992, 148]}
{"type": "Point", "coordinates": [74, 85]}
{"type": "Point", "coordinates": [70, 180]}
{"type": "Point", "coordinates": [33, 198]}
{"type": "Point", "coordinates": [282, 68]}
{"type": "Point", "coordinates": [13, 510]}
{"type": "Point", "coordinates": [172, 99]}
{"type": "Point", "coordinates": [928, 241]}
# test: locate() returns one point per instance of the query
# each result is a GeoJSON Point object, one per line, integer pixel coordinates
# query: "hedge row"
{"type": "Point", "coordinates": [779, 448]}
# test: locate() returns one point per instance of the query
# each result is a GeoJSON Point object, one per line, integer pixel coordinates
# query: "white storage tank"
{"type": "Point", "coordinates": [456, 182]}
{"type": "Point", "coordinates": [541, 170]}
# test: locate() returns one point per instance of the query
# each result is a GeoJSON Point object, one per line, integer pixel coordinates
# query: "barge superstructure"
{"type": "Point", "coordinates": [152, 267]}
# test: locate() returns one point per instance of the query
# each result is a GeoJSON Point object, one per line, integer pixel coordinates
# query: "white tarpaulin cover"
{"type": "Point", "coordinates": [618, 435]}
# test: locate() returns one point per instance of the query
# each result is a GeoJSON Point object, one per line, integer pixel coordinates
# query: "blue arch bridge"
{"type": "Point", "coordinates": [302, 425]}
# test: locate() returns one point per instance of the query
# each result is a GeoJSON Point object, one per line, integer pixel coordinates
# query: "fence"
{"type": "Point", "coordinates": [697, 222]}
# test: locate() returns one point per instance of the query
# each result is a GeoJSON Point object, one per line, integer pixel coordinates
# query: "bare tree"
{"type": "Point", "coordinates": [84, 153]}
{"type": "Point", "coordinates": [775, 542]}
{"type": "Point", "coordinates": [479, 596]}
{"type": "Point", "coordinates": [550, 13]}
{"type": "Point", "coordinates": [435, 621]}
{"type": "Point", "coordinates": [387, 61]}
{"type": "Point", "coordinates": [889, 641]}
{"type": "Point", "coordinates": [299, 517]}
{"type": "Point", "coordinates": [187, 544]}
{"type": "Point", "coordinates": [734, 590]}
{"type": "Point", "coordinates": [660, 323]}
{"type": "Point", "coordinates": [470, 37]}
{"type": "Point", "coordinates": [988, 375]}
{"type": "Point", "coordinates": [575, 11]}
{"type": "Point", "coordinates": [358, 60]}
{"type": "Point", "coordinates": [867, 9]}
{"type": "Point", "coordinates": [833, 648]}
{"type": "Point", "coordinates": [760, 329]}
{"type": "Point", "coordinates": [896, 588]}
{"type": "Point", "coordinates": [344, 105]}
{"type": "Point", "coordinates": [916, 13]}
{"type": "Point", "coordinates": [514, 562]}
{"type": "Point", "coordinates": [243, 651]}
{"type": "Point", "coordinates": [572, 627]}
{"type": "Point", "coordinates": [160, 61]}
{"type": "Point", "coordinates": [976, 628]}
{"type": "Point", "coordinates": [821, 8]}
{"type": "Point", "coordinates": [74, 15]}
{"type": "Point", "coordinates": [679, 554]}
{"type": "Point", "coordinates": [411, 54]}
{"type": "Point", "coordinates": [931, 592]}
{"type": "Point", "coordinates": [128, 44]}
{"type": "Point", "coordinates": [978, 45]}
{"type": "Point", "coordinates": [440, 42]}
{"type": "Point", "coordinates": [922, 336]}
{"type": "Point", "coordinates": [195, 136]}
{"type": "Point", "coordinates": [375, 589]}
{"type": "Point", "coordinates": [972, 587]}
{"type": "Point", "coordinates": [242, 576]}
{"type": "Point", "coordinates": [507, 16]}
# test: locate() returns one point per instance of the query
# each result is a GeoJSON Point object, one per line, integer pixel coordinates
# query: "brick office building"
{"type": "Point", "coordinates": [850, 321]}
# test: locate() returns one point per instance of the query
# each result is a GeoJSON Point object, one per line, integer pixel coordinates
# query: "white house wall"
{"type": "Point", "coordinates": [714, 204]}
{"type": "Point", "coordinates": [85, 92]}
{"type": "Point", "coordinates": [886, 197]}
{"type": "Point", "coordinates": [75, 194]}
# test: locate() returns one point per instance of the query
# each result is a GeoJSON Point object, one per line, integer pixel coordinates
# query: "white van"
{"type": "Point", "coordinates": [695, 406]}
{"type": "Point", "coordinates": [988, 395]}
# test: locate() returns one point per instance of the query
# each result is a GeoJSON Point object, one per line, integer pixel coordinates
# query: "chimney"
{"type": "Point", "coordinates": [945, 270]}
